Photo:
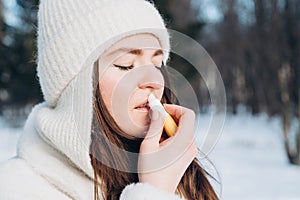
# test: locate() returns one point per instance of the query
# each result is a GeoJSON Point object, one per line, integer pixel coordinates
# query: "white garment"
{"type": "Point", "coordinates": [39, 171]}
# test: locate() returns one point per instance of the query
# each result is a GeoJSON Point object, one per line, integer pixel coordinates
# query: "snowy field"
{"type": "Point", "coordinates": [251, 160]}
{"type": "Point", "coordinates": [249, 157]}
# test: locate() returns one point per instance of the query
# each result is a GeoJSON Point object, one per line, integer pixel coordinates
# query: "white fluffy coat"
{"type": "Point", "coordinates": [41, 172]}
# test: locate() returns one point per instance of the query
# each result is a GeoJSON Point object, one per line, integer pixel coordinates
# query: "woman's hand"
{"type": "Point", "coordinates": [163, 164]}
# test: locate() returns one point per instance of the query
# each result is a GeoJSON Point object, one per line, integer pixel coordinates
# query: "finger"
{"type": "Point", "coordinates": [155, 129]}
{"type": "Point", "coordinates": [175, 111]}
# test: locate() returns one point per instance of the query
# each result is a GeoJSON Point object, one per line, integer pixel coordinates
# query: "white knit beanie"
{"type": "Point", "coordinates": [71, 35]}
{"type": "Point", "coordinates": [69, 30]}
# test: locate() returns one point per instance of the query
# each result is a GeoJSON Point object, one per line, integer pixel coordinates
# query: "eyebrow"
{"type": "Point", "coordinates": [133, 51]}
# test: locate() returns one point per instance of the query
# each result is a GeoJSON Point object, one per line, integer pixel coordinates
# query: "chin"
{"type": "Point", "coordinates": [138, 132]}
{"type": "Point", "coordinates": [137, 126]}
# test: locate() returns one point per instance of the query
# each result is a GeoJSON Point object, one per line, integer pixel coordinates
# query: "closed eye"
{"type": "Point", "coordinates": [124, 67]}
{"type": "Point", "coordinates": [131, 67]}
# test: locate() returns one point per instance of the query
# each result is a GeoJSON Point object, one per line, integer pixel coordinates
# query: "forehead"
{"type": "Point", "coordinates": [139, 41]}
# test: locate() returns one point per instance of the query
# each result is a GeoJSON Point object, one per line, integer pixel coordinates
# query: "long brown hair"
{"type": "Point", "coordinates": [193, 185]}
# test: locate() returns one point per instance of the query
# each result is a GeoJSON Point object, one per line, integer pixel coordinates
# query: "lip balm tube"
{"type": "Point", "coordinates": [169, 123]}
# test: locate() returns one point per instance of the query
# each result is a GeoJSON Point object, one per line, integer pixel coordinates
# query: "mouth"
{"type": "Point", "coordinates": [144, 107]}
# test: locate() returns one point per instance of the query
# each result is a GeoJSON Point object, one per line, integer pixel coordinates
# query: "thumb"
{"type": "Point", "coordinates": [156, 127]}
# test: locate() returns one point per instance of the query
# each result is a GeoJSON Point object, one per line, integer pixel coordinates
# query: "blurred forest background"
{"type": "Point", "coordinates": [255, 44]}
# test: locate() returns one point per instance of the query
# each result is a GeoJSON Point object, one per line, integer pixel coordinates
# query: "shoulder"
{"type": "Point", "coordinates": [137, 191]}
{"type": "Point", "coordinates": [19, 181]}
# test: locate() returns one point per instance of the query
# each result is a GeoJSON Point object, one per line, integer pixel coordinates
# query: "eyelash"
{"type": "Point", "coordinates": [131, 66]}
{"type": "Point", "coordinates": [124, 67]}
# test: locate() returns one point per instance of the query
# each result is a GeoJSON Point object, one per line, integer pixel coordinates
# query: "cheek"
{"type": "Point", "coordinates": [108, 85]}
{"type": "Point", "coordinates": [115, 95]}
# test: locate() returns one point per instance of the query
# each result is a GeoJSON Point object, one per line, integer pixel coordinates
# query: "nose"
{"type": "Point", "coordinates": [152, 78]}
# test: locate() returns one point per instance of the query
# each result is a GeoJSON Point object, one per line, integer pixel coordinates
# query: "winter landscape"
{"type": "Point", "coordinates": [255, 45]}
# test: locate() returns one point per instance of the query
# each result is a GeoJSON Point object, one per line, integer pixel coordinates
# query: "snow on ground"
{"type": "Point", "coordinates": [251, 160]}
{"type": "Point", "coordinates": [249, 157]}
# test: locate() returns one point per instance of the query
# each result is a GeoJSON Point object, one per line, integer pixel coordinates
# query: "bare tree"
{"type": "Point", "coordinates": [292, 93]}
{"type": "Point", "coordinates": [1, 22]}
{"type": "Point", "coordinates": [260, 62]}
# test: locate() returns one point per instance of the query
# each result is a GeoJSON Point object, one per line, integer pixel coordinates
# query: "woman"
{"type": "Point", "coordinates": [92, 137]}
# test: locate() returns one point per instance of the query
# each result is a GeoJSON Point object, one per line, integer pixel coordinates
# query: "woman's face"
{"type": "Point", "coordinates": [128, 72]}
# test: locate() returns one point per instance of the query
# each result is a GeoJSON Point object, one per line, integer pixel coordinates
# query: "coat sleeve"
{"type": "Point", "coordinates": [145, 191]}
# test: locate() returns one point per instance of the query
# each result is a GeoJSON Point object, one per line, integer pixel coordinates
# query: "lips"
{"type": "Point", "coordinates": [143, 106]}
